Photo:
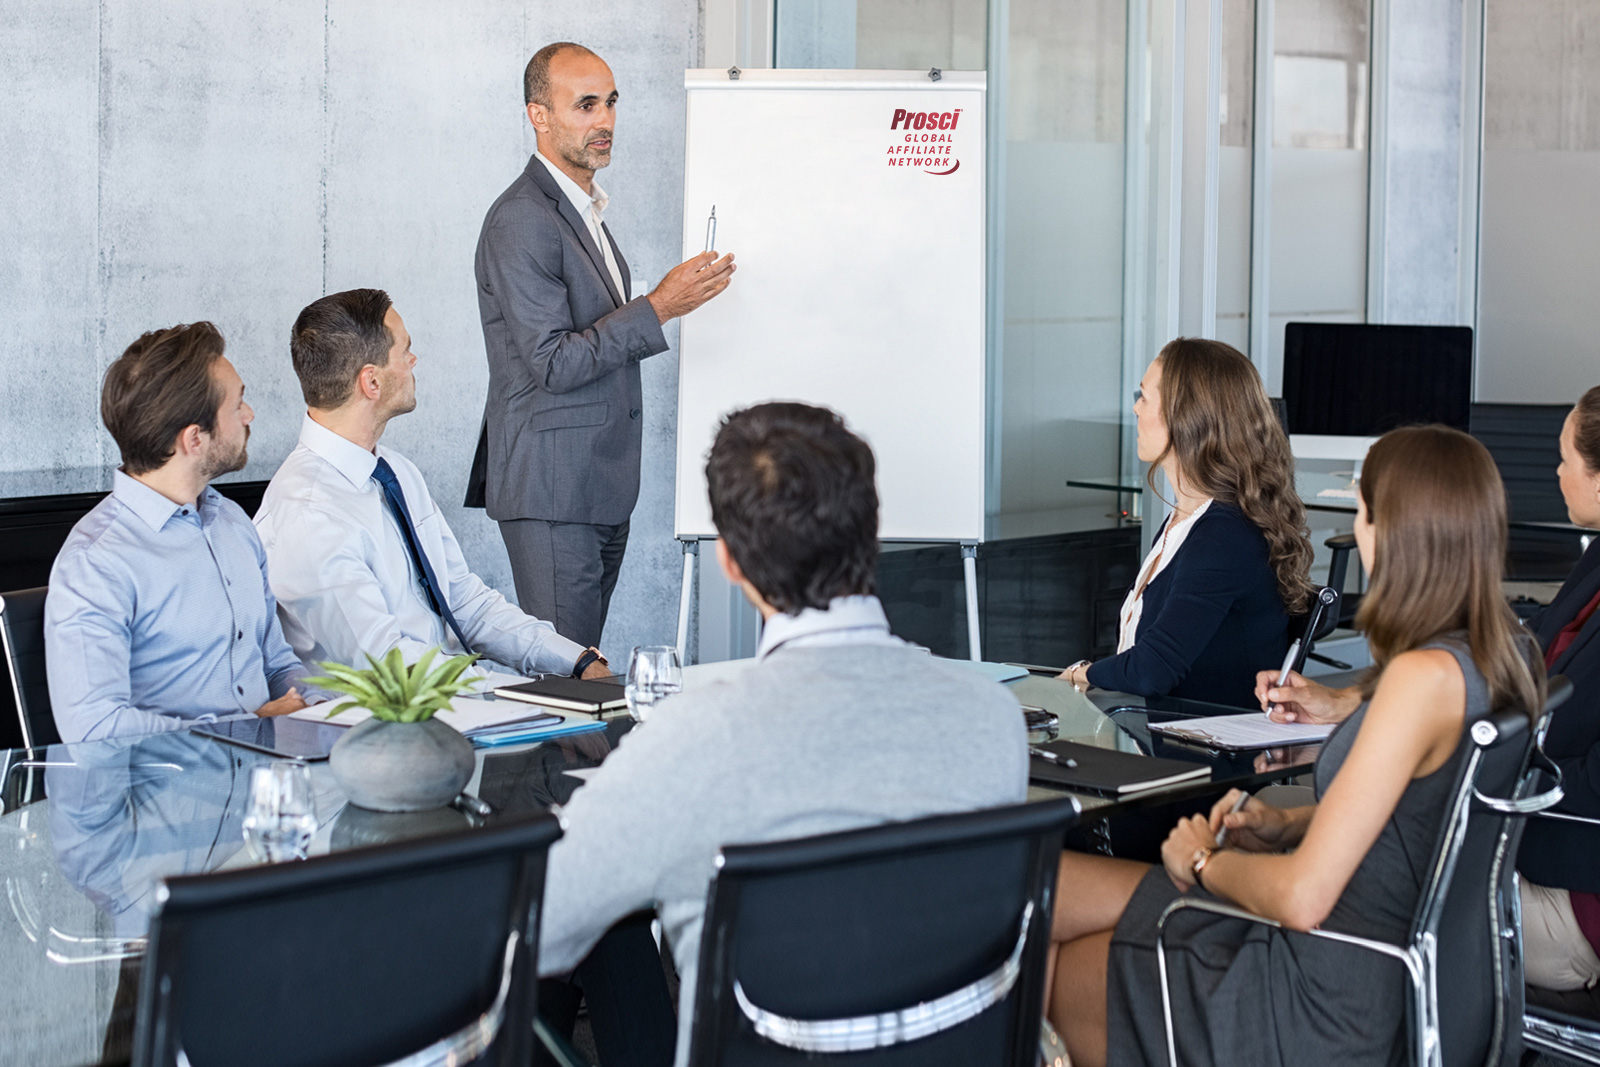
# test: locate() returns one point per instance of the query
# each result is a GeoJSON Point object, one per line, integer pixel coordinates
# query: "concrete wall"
{"type": "Point", "coordinates": [168, 161]}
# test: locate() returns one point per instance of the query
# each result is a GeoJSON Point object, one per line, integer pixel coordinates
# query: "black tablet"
{"type": "Point", "coordinates": [281, 736]}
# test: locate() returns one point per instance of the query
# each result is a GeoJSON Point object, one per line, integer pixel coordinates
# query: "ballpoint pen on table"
{"type": "Point", "coordinates": [1046, 754]}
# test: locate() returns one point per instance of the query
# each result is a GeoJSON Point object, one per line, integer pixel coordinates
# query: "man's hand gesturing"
{"type": "Point", "coordinates": [690, 284]}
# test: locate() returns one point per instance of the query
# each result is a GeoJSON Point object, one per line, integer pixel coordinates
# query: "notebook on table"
{"type": "Point", "coordinates": [592, 696]}
{"type": "Point", "coordinates": [1104, 770]}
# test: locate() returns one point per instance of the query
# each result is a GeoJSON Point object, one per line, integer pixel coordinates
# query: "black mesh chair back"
{"type": "Point", "coordinates": [1474, 920]}
{"type": "Point", "coordinates": [420, 952]}
{"type": "Point", "coordinates": [918, 943]}
{"type": "Point", "coordinates": [22, 631]}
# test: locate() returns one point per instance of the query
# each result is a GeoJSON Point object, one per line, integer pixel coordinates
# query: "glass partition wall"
{"type": "Point", "coordinates": [1196, 168]}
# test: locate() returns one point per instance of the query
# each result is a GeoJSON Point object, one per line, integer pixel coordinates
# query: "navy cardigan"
{"type": "Point", "coordinates": [1211, 620]}
{"type": "Point", "coordinates": [1564, 854]}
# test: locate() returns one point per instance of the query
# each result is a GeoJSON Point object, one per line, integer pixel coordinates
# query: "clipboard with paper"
{"type": "Point", "coordinates": [1250, 730]}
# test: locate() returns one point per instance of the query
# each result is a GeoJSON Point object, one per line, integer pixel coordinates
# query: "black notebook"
{"type": "Point", "coordinates": [569, 694]}
{"type": "Point", "coordinates": [1104, 770]}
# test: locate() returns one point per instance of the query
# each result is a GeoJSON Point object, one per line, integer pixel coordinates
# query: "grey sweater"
{"type": "Point", "coordinates": [807, 741]}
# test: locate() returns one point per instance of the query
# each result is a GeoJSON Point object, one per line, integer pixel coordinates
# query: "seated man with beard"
{"type": "Point", "coordinates": [159, 610]}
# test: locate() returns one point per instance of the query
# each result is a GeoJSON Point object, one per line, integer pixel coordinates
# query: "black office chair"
{"type": "Point", "coordinates": [22, 631]}
{"type": "Point", "coordinates": [917, 943]}
{"type": "Point", "coordinates": [420, 952]}
{"type": "Point", "coordinates": [1465, 947]}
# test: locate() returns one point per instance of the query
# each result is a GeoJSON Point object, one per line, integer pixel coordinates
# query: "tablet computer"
{"type": "Point", "coordinates": [278, 736]}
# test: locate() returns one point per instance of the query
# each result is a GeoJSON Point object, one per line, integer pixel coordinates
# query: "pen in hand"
{"type": "Point", "coordinates": [1283, 673]}
{"type": "Point", "coordinates": [1222, 834]}
{"type": "Point", "coordinates": [1046, 754]}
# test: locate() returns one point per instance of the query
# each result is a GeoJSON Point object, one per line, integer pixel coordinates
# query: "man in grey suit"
{"type": "Point", "coordinates": [558, 462]}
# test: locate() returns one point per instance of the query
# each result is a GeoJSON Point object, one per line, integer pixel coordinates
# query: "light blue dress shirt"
{"type": "Point", "coordinates": [161, 612]}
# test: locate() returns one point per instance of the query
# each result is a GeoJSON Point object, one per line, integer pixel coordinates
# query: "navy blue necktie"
{"type": "Point", "coordinates": [383, 474]}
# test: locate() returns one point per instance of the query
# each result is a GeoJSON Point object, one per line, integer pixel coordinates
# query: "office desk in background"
{"type": "Point", "coordinates": [88, 830]}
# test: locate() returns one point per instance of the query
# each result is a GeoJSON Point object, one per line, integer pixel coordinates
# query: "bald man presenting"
{"type": "Point", "coordinates": [558, 464]}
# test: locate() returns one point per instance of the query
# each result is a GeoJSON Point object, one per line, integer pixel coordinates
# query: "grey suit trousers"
{"type": "Point", "coordinates": [565, 572]}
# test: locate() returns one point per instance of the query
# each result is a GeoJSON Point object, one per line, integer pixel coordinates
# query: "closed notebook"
{"type": "Point", "coordinates": [568, 694]}
{"type": "Point", "coordinates": [1104, 770]}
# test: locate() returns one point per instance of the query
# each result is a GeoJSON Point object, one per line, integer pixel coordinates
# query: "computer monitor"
{"type": "Point", "coordinates": [1345, 384]}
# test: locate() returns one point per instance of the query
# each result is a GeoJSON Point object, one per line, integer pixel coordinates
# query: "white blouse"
{"type": "Point", "coordinates": [1161, 554]}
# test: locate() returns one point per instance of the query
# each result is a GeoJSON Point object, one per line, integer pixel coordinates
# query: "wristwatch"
{"type": "Point", "coordinates": [1202, 856]}
{"type": "Point", "coordinates": [590, 655]}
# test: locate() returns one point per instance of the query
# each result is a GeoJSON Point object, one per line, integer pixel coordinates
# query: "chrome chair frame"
{"type": "Point", "coordinates": [1420, 956]}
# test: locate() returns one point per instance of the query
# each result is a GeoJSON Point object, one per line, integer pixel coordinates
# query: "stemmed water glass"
{"type": "Point", "coordinates": [281, 819]}
{"type": "Point", "coordinates": [653, 673]}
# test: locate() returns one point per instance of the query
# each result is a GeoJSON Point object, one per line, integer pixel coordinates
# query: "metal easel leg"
{"type": "Point", "coordinates": [691, 554]}
{"type": "Point", "coordinates": [969, 568]}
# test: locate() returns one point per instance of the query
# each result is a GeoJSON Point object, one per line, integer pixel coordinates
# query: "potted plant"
{"type": "Point", "coordinates": [401, 759]}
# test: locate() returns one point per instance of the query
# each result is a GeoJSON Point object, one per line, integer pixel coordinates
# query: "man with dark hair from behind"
{"type": "Point", "coordinates": [793, 499]}
{"type": "Point", "coordinates": [159, 608]}
{"type": "Point", "coordinates": [362, 558]}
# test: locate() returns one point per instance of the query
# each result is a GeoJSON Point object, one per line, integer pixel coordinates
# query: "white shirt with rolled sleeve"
{"type": "Point", "coordinates": [344, 579]}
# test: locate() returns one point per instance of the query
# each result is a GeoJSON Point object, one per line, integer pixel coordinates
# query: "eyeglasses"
{"type": "Point", "coordinates": [1138, 395]}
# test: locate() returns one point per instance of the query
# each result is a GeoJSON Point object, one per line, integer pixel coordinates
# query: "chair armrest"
{"type": "Point", "coordinates": [1214, 907]}
{"type": "Point", "coordinates": [1562, 816]}
{"type": "Point", "coordinates": [559, 1048]}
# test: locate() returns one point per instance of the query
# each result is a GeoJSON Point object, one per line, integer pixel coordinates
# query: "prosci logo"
{"type": "Point", "coordinates": [925, 141]}
{"type": "Point", "coordinates": [925, 120]}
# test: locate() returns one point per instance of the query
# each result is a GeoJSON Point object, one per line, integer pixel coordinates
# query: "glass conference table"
{"type": "Point", "coordinates": [87, 831]}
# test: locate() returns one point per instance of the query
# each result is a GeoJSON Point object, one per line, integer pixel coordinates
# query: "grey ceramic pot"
{"type": "Point", "coordinates": [357, 827]}
{"type": "Point", "coordinates": [401, 766]}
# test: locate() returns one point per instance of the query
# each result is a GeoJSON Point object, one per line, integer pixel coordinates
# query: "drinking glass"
{"type": "Point", "coordinates": [653, 672]}
{"type": "Point", "coordinates": [280, 820]}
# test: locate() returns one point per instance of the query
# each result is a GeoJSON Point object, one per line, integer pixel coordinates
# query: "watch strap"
{"type": "Point", "coordinates": [589, 656]}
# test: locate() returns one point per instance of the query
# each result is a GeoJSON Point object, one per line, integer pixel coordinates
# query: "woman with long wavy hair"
{"type": "Point", "coordinates": [1431, 529]}
{"type": "Point", "coordinates": [1211, 604]}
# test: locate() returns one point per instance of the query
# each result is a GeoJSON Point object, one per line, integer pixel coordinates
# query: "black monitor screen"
{"type": "Point", "coordinates": [1356, 380]}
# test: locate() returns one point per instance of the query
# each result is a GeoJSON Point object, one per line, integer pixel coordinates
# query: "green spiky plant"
{"type": "Point", "coordinates": [394, 692]}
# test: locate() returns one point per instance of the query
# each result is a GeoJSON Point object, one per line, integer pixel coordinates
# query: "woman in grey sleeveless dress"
{"type": "Point", "coordinates": [1446, 649]}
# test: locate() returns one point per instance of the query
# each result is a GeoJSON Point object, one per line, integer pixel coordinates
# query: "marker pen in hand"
{"type": "Point", "coordinates": [711, 230]}
{"type": "Point", "coordinates": [1283, 672]}
{"type": "Point", "coordinates": [1222, 834]}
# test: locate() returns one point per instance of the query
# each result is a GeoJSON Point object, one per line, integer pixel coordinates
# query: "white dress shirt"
{"type": "Point", "coordinates": [344, 578]}
{"type": "Point", "coordinates": [591, 208]}
{"type": "Point", "coordinates": [1161, 553]}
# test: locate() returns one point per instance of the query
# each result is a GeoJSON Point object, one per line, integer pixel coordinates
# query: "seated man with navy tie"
{"type": "Point", "coordinates": [362, 560]}
{"type": "Point", "coordinates": [159, 611]}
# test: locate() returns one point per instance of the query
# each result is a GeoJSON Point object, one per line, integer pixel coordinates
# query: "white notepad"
{"type": "Point", "coordinates": [1246, 731]}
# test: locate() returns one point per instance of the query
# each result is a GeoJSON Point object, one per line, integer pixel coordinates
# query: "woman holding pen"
{"type": "Point", "coordinates": [1231, 563]}
{"type": "Point", "coordinates": [1431, 529]}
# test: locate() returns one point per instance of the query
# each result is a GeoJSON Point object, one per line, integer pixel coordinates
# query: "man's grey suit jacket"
{"type": "Point", "coordinates": [564, 413]}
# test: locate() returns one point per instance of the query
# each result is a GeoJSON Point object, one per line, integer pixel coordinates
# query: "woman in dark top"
{"type": "Point", "coordinates": [1561, 930]}
{"type": "Point", "coordinates": [1430, 527]}
{"type": "Point", "coordinates": [1211, 603]}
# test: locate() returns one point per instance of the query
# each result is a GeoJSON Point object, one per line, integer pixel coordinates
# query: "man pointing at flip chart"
{"type": "Point", "coordinates": [558, 462]}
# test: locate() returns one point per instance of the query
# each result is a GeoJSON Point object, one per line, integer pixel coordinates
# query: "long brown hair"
{"type": "Point", "coordinates": [1438, 511]}
{"type": "Point", "coordinates": [1230, 446]}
